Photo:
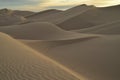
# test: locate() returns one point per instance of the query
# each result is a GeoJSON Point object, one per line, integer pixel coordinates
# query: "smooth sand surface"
{"type": "Point", "coordinates": [40, 31]}
{"type": "Point", "coordinates": [109, 28]}
{"type": "Point", "coordinates": [92, 17]}
{"type": "Point", "coordinates": [95, 58]}
{"type": "Point", "coordinates": [18, 61]}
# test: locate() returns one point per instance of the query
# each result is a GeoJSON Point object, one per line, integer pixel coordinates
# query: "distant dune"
{"type": "Point", "coordinates": [16, 12]}
{"type": "Point", "coordinates": [7, 17]}
{"type": "Point", "coordinates": [43, 14]}
{"type": "Point", "coordinates": [57, 16]}
{"type": "Point", "coordinates": [108, 28]}
{"type": "Point", "coordinates": [92, 17]}
{"type": "Point", "coordinates": [22, 13]}
{"type": "Point", "coordinates": [18, 61]}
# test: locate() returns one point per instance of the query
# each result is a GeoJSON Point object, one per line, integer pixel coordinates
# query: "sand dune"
{"type": "Point", "coordinates": [95, 58]}
{"type": "Point", "coordinates": [18, 61]}
{"type": "Point", "coordinates": [42, 48]}
{"type": "Point", "coordinates": [109, 28]}
{"type": "Point", "coordinates": [56, 16]}
{"type": "Point", "coordinates": [40, 31]}
{"type": "Point", "coordinates": [8, 18]}
{"type": "Point", "coordinates": [43, 14]}
{"type": "Point", "coordinates": [22, 13]}
{"type": "Point", "coordinates": [92, 17]}
{"type": "Point", "coordinates": [15, 12]}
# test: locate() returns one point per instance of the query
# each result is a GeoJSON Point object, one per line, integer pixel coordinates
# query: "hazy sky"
{"type": "Point", "coordinates": [37, 5]}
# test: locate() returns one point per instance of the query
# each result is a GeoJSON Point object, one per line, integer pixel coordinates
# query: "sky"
{"type": "Point", "coordinates": [38, 5]}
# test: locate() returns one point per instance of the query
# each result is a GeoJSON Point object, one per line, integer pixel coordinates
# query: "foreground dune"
{"type": "Point", "coordinates": [40, 31]}
{"type": "Point", "coordinates": [19, 62]}
{"type": "Point", "coordinates": [95, 58]}
{"type": "Point", "coordinates": [109, 28]}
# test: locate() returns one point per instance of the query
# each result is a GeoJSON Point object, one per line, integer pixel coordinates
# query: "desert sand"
{"type": "Point", "coordinates": [108, 29]}
{"type": "Point", "coordinates": [40, 31]}
{"type": "Point", "coordinates": [92, 17]}
{"type": "Point", "coordinates": [96, 58]}
{"type": "Point", "coordinates": [81, 43]}
{"type": "Point", "coordinates": [57, 16]}
{"type": "Point", "coordinates": [18, 61]}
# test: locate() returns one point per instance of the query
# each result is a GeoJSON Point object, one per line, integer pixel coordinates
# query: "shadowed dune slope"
{"type": "Point", "coordinates": [56, 16]}
{"type": "Point", "coordinates": [40, 31]}
{"type": "Point", "coordinates": [23, 13]}
{"type": "Point", "coordinates": [95, 58]}
{"type": "Point", "coordinates": [15, 12]}
{"type": "Point", "coordinates": [19, 62]}
{"type": "Point", "coordinates": [92, 17]}
{"type": "Point", "coordinates": [8, 18]}
{"type": "Point", "coordinates": [109, 28]}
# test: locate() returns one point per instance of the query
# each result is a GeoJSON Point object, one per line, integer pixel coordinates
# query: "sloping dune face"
{"type": "Point", "coordinates": [95, 58]}
{"type": "Point", "coordinates": [39, 31]}
{"type": "Point", "coordinates": [92, 17]}
{"type": "Point", "coordinates": [18, 62]}
{"type": "Point", "coordinates": [109, 28]}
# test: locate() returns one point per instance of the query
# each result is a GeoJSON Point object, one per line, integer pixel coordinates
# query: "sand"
{"type": "Point", "coordinates": [96, 58]}
{"type": "Point", "coordinates": [16, 12]}
{"type": "Point", "coordinates": [7, 17]}
{"type": "Point", "coordinates": [18, 61]}
{"type": "Point", "coordinates": [40, 31]}
{"type": "Point", "coordinates": [43, 14]}
{"type": "Point", "coordinates": [81, 43]}
{"type": "Point", "coordinates": [92, 17]}
{"type": "Point", "coordinates": [112, 28]}
{"type": "Point", "coordinates": [57, 16]}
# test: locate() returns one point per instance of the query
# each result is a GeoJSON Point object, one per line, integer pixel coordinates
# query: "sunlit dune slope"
{"type": "Point", "coordinates": [18, 61]}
